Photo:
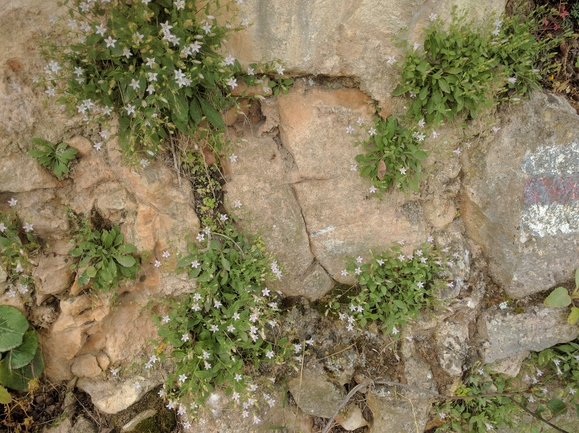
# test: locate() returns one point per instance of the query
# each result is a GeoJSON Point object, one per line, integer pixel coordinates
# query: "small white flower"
{"type": "Point", "coordinates": [503, 305]}
{"type": "Point", "coordinates": [233, 157]}
{"type": "Point", "coordinates": [434, 134]}
{"type": "Point", "coordinates": [354, 167]}
{"type": "Point", "coordinates": [237, 204]}
{"type": "Point", "coordinates": [165, 319]}
{"type": "Point", "coordinates": [403, 170]}
{"type": "Point", "coordinates": [110, 42]}
{"type": "Point", "coordinates": [12, 202]}
{"type": "Point", "coordinates": [297, 347]}
{"type": "Point", "coordinates": [373, 190]}
{"type": "Point", "coordinates": [250, 71]}
{"type": "Point", "coordinates": [200, 237]}
{"type": "Point", "coordinates": [229, 60]}
{"type": "Point", "coordinates": [572, 391]}
{"type": "Point", "coordinates": [279, 69]}
{"type": "Point", "coordinates": [512, 80]}
{"type": "Point", "coordinates": [358, 271]}
{"type": "Point", "coordinates": [185, 337]}
{"type": "Point", "coordinates": [496, 129]}
{"type": "Point", "coordinates": [157, 264]}
{"type": "Point", "coordinates": [395, 330]}
{"type": "Point", "coordinates": [28, 227]}
{"type": "Point", "coordinates": [179, 4]}
{"type": "Point", "coordinates": [238, 377]}
{"type": "Point", "coordinates": [433, 17]}
{"type": "Point", "coordinates": [390, 60]}
{"type": "Point", "coordinates": [270, 354]}
{"type": "Point", "coordinates": [245, 22]}
{"type": "Point", "coordinates": [372, 131]}
{"type": "Point", "coordinates": [232, 82]}
{"type": "Point", "coordinates": [130, 108]}
{"type": "Point", "coordinates": [442, 415]}
{"type": "Point", "coordinates": [416, 45]}
{"type": "Point", "coordinates": [421, 123]}
{"type": "Point", "coordinates": [195, 264]}
{"type": "Point", "coordinates": [359, 259]}
{"type": "Point", "coordinates": [360, 121]}
{"type": "Point", "coordinates": [349, 129]}
{"type": "Point", "coordinates": [344, 273]}
{"type": "Point", "coordinates": [100, 30]}
{"type": "Point", "coordinates": [114, 371]}
{"type": "Point", "coordinates": [182, 378]}
{"type": "Point", "coordinates": [2, 228]}
{"type": "Point", "coordinates": [134, 84]}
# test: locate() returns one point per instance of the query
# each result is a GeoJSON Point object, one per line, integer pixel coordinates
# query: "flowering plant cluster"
{"type": "Point", "coordinates": [220, 334]}
{"type": "Point", "coordinates": [546, 386]}
{"type": "Point", "coordinates": [105, 260]}
{"type": "Point", "coordinates": [393, 156]}
{"type": "Point", "coordinates": [461, 69]}
{"type": "Point", "coordinates": [17, 243]}
{"type": "Point", "coordinates": [392, 288]}
{"type": "Point", "coordinates": [156, 64]}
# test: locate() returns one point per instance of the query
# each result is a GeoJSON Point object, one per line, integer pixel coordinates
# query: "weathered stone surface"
{"type": "Point", "coordinates": [352, 418]}
{"type": "Point", "coordinates": [261, 183]}
{"type": "Point", "coordinates": [82, 144]}
{"type": "Point", "coordinates": [337, 38]}
{"type": "Point", "coordinates": [85, 366]}
{"type": "Point", "coordinates": [22, 173]}
{"type": "Point", "coordinates": [3, 277]}
{"type": "Point", "coordinates": [53, 274]}
{"type": "Point", "coordinates": [508, 334]}
{"type": "Point", "coordinates": [302, 192]}
{"type": "Point", "coordinates": [315, 395]}
{"type": "Point", "coordinates": [397, 414]}
{"type": "Point", "coordinates": [521, 197]}
{"type": "Point", "coordinates": [114, 396]}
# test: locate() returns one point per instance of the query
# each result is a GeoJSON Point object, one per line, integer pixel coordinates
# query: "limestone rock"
{"type": "Point", "coordinates": [300, 191]}
{"type": "Point", "coordinates": [22, 173]}
{"type": "Point", "coordinates": [53, 274]}
{"type": "Point", "coordinates": [315, 395]}
{"type": "Point", "coordinates": [509, 334]}
{"type": "Point", "coordinates": [85, 366]}
{"type": "Point", "coordinates": [3, 277]}
{"type": "Point", "coordinates": [82, 144]}
{"type": "Point", "coordinates": [336, 38]}
{"type": "Point", "coordinates": [352, 418]}
{"type": "Point", "coordinates": [395, 414]}
{"type": "Point", "coordinates": [114, 396]}
{"type": "Point", "coordinates": [520, 201]}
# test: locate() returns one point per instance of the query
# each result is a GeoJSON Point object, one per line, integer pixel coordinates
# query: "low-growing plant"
{"type": "Point", "coordinates": [560, 297]}
{"type": "Point", "coordinates": [104, 258]}
{"type": "Point", "coordinates": [17, 242]}
{"type": "Point", "coordinates": [22, 359]}
{"type": "Point", "coordinates": [545, 389]}
{"type": "Point", "coordinates": [220, 334]}
{"type": "Point", "coordinates": [159, 65]}
{"type": "Point", "coordinates": [56, 158]}
{"type": "Point", "coordinates": [461, 68]}
{"type": "Point", "coordinates": [391, 289]}
{"type": "Point", "coordinates": [393, 156]}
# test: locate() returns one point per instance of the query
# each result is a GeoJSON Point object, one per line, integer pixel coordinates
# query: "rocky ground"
{"type": "Point", "coordinates": [501, 196]}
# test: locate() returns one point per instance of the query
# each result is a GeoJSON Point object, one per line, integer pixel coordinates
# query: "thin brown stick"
{"type": "Point", "coordinates": [351, 394]}
{"type": "Point", "coordinates": [537, 415]}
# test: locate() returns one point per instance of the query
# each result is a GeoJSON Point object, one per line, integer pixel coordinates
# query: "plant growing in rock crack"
{"type": "Point", "coordinates": [221, 333]}
{"type": "Point", "coordinates": [22, 359]}
{"type": "Point", "coordinates": [393, 156]}
{"type": "Point", "coordinates": [17, 243]}
{"type": "Point", "coordinates": [391, 289]}
{"type": "Point", "coordinates": [545, 388]}
{"type": "Point", "coordinates": [56, 158]}
{"type": "Point", "coordinates": [460, 69]}
{"type": "Point", "coordinates": [104, 258]}
{"type": "Point", "coordinates": [560, 297]}
{"type": "Point", "coordinates": [157, 64]}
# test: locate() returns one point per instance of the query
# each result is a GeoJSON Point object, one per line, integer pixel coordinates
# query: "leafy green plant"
{"type": "Point", "coordinates": [17, 243]}
{"type": "Point", "coordinates": [57, 158]}
{"type": "Point", "coordinates": [157, 64]}
{"type": "Point", "coordinates": [560, 297]}
{"type": "Point", "coordinates": [105, 260]}
{"type": "Point", "coordinates": [461, 68]}
{"type": "Point", "coordinates": [391, 289]}
{"type": "Point", "coordinates": [545, 389]}
{"type": "Point", "coordinates": [22, 359]}
{"type": "Point", "coordinates": [393, 156]}
{"type": "Point", "coordinates": [220, 334]}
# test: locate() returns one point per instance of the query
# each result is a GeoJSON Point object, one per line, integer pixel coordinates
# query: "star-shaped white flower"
{"type": "Point", "coordinates": [233, 157]}
{"type": "Point", "coordinates": [100, 30]}
{"type": "Point", "coordinates": [110, 42]}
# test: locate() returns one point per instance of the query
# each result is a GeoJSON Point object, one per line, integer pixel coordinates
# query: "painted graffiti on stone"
{"type": "Point", "coordinates": [551, 194]}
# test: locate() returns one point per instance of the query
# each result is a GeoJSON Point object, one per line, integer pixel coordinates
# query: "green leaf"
{"type": "Point", "coordinates": [18, 379]}
{"type": "Point", "coordinates": [573, 316]}
{"type": "Point", "coordinates": [91, 271]}
{"type": "Point", "coordinates": [557, 407]}
{"type": "Point", "coordinates": [558, 298]}
{"type": "Point", "coordinates": [400, 90]}
{"type": "Point", "coordinates": [212, 114]}
{"type": "Point", "coordinates": [577, 278]}
{"type": "Point", "coordinates": [127, 249]}
{"type": "Point", "coordinates": [195, 110]}
{"type": "Point", "coordinates": [13, 325]}
{"type": "Point", "coordinates": [23, 354]}
{"type": "Point", "coordinates": [5, 397]}
{"type": "Point", "coordinates": [126, 261]}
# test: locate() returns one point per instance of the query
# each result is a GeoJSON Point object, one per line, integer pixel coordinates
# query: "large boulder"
{"type": "Point", "coordinates": [338, 38]}
{"type": "Point", "coordinates": [302, 195]}
{"type": "Point", "coordinates": [521, 196]}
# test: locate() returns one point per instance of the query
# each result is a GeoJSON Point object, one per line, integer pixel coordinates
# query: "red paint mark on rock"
{"type": "Point", "coordinates": [552, 189]}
